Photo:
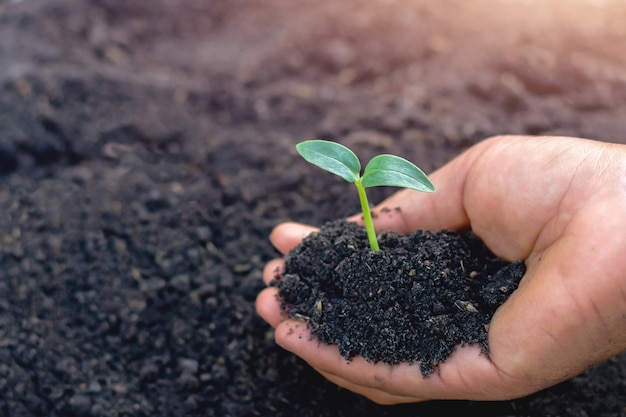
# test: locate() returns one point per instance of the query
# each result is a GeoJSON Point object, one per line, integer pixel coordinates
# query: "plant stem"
{"type": "Point", "coordinates": [367, 216]}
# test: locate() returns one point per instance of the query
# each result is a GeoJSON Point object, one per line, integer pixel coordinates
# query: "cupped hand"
{"type": "Point", "coordinates": [557, 203]}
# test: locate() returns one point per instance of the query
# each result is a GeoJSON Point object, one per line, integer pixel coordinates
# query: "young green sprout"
{"type": "Point", "coordinates": [382, 170]}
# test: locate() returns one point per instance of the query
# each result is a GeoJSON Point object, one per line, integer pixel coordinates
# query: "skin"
{"type": "Point", "coordinates": [557, 203]}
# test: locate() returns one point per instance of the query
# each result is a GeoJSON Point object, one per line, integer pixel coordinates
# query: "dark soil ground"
{"type": "Point", "coordinates": [147, 149]}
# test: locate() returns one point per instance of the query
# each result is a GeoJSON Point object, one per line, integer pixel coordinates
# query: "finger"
{"type": "Point", "coordinates": [268, 306]}
{"type": "Point", "coordinates": [376, 395]}
{"type": "Point", "coordinates": [287, 236]}
{"type": "Point", "coordinates": [409, 210]}
{"type": "Point", "coordinates": [400, 380]}
{"type": "Point", "coordinates": [466, 374]}
{"type": "Point", "coordinates": [273, 270]}
{"type": "Point", "coordinates": [385, 219]}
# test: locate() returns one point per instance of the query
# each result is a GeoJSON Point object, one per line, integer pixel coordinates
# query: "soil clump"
{"type": "Point", "coordinates": [412, 302]}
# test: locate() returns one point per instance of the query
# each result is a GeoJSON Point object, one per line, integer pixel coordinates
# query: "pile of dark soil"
{"type": "Point", "coordinates": [412, 302]}
{"type": "Point", "coordinates": [147, 150]}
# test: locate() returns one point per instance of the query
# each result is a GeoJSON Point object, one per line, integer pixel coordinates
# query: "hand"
{"type": "Point", "coordinates": [559, 204]}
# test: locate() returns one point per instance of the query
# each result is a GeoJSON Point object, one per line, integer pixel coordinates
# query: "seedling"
{"type": "Point", "coordinates": [388, 170]}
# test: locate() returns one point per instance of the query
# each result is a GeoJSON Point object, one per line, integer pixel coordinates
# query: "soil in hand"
{"type": "Point", "coordinates": [414, 301]}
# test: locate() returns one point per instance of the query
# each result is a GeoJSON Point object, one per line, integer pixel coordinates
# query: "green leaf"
{"type": "Point", "coordinates": [397, 172]}
{"type": "Point", "coordinates": [332, 157]}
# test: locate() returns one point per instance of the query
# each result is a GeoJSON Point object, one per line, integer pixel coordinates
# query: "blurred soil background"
{"type": "Point", "coordinates": [147, 150]}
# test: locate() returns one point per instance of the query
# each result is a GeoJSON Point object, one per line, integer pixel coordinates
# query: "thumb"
{"type": "Point", "coordinates": [409, 210]}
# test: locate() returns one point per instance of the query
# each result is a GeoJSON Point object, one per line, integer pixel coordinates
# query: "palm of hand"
{"type": "Point", "coordinates": [555, 203]}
